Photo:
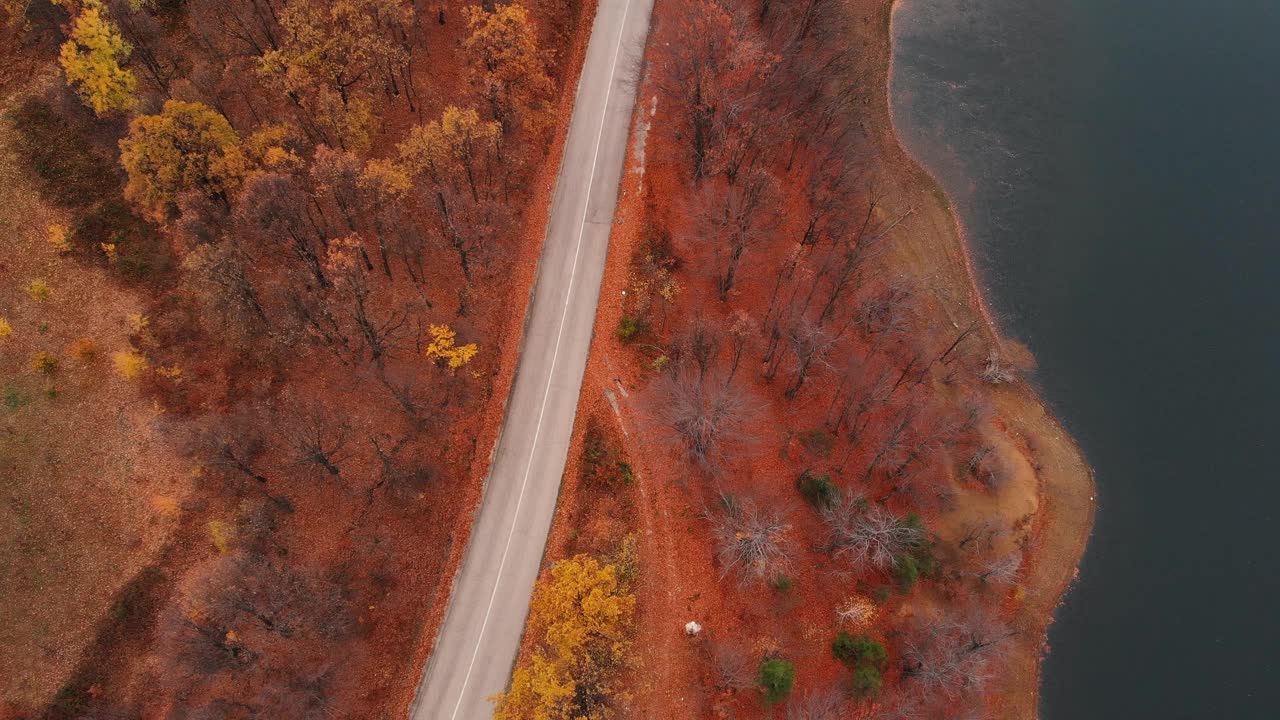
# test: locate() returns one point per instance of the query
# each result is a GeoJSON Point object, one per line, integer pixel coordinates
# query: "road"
{"type": "Point", "coordinates": [477, 646]}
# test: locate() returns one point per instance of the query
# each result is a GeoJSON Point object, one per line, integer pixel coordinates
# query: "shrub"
{"type": "Point", "coordinates": [220, 534]}
{"type": "Point", "coordinates": [818, 489]}
{"type": "Point", "coordinates": [853, 650]}
{"type": "Point", "coordinates": [867, 680]}
{"type": "Point", "coordinates": [906, 571]}
{"type": "Point", "coordinates": [38, 290]}
{"type": "Point", "coordinates": [602, 462]}
{"type": "Point", "coordinates": [781, 583]}
{"type": "Point", "coordinates": [5, 328]}
{"type": "Point", "coordinates": [818, 441]}
{"type": "Point", "coordinates": [776, 677]}
{"type": "Point", "coordinates": [57, 238]}
{"type": "Point", "coordinates": [43, 362]}
{"type": "Point", "coordinates": [629, 328]}
{"type": "Point", "coordinates": [84, 349]}
{"type": "Point", "coordinates": [129, 363]}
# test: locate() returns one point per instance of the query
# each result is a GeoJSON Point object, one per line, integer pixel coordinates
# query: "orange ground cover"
{"type": "Point", "coordinates": [1049, 502]}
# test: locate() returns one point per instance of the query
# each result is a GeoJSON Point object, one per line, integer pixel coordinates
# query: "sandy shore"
{"type": "Point", "coordinates": [932, 246]}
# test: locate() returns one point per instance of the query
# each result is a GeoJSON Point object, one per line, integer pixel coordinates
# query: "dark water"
{"type": "Point", "coordinates": [1118, 164]}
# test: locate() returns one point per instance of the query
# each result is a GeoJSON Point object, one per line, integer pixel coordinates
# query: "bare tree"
{"type": "Point", "coordinates": [750, 541]}
{"type": "Point", "coordinates": [1003, 569]}
{"type": "Point", "coordinates": [825, 704]}
{"type": "Point", "coordinates": [699, 343]}
{"type": "Point", "coordinates": [810, 344]}
{"type": "Point", "coordinates": [868, 536]}
{"type": "Point", "coordinates": [733, 669]}
{"type": "Point", "coordinates": [317, 438]}
{"type": "Point", "coordinates": [734, 218]}
{"type": "Point", "coordinates": [705, 415]}
{"type": "Point", "coordinates": [953, 655]}
{"type": "Point", "coordinates": [712, 75]}
{"type": "Point", "coordinates": [273, 210]}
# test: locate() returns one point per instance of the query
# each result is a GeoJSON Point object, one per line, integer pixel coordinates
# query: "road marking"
{"type": "Point", "coordinates": [555, 356]}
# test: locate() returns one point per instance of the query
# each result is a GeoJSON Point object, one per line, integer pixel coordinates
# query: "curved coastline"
{"type": "Point", "coordinates": [1067, 482]}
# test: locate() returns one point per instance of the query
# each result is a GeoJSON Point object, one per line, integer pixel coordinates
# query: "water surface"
{"type": "Point", "coordinates": [1117, 163]}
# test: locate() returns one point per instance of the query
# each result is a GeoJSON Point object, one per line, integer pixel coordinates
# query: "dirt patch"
{"type": "Point", "coordinates": [91, 489]}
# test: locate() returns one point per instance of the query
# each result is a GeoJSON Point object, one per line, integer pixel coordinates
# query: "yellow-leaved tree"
{"type": "Point", "coordinates": [92, 59]}
{"type": "Point", "coordinates": [332, 53]}
{"type": "Point", "coordinates": [507, 64]}
{"type": "Point", "coordinates": [444, 347]}
{"type": "Point", "coordinates": [580, 616]}
{"type": "Point", "coordinates": [455, 144]}
{"type": "Point", "coordinates": [188, 146]}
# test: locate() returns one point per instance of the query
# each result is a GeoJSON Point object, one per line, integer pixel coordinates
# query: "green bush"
{"type": "Point", "coordinates": [867, 680]}
{"type": "Point", "coordinates": [781, 583]}
{"type": "Point", "coordinates": [629, 328]}
{"type": "Point", "coordinates": [858, 650]}
{"type": "Point", "coordinates": [818, 489]}
{"type": "Point", "coordinates": [818, 441]}
{"type": "Point", "coordinates": [906, 571]}
{"type": "Point", "coordinates": [776, 678]}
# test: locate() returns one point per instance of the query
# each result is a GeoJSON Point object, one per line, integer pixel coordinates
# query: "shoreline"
{"type": "Point", "coordinates": [1065, 520]}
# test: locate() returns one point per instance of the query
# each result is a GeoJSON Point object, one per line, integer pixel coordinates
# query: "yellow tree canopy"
{"type": "Point", "coordinates": [581, 615]}
{"type": "Point", "coordinates": [91, 60]}
{"type": "Point", "coordinates": [452, 144]}
{"type": "Point", "coordinates": [339, 43]}
{"type": "Point", "coordinates": [444, 346]}
{"type": "Point", "coordinates": [506, 60]}
{"type": "Point", "coordinates": [188, 146]}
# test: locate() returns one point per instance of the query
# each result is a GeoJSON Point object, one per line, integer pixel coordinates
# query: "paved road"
{"type": "Point", "coordinates": [477, 645]}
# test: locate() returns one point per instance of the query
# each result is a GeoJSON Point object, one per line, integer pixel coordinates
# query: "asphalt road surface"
{"type": "Point", "coordinates": [477, 646]}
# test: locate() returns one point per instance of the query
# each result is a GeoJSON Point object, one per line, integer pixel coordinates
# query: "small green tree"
{"type": "Point", "coordinates": [867, 680]}
{"type": "Point", "coordinates": [858, 650]}
{"type": "Point", "coordinates": [818, 489]}
{"type": "Point", "coordinates": [776, 677]}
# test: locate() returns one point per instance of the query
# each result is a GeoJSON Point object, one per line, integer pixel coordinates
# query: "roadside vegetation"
{"type": "Point", "coordinates": [805, 393]}
{"type": "Point", "coordinates": [260, 314]}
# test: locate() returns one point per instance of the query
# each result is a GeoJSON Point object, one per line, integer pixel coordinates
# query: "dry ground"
{"type": "Point", "coordinates": [89, 492]}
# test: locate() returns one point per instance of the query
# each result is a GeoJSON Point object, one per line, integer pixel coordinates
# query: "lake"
{"type": "Point", "coordinates": [1117, 164]}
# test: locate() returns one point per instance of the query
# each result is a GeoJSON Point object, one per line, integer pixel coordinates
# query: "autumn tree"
{"type": "Point", "coordinates": [580, 617]}
{"type": "Point", "coordinates": [458, 144]}
{"type": "Point", "coordinates": [92, 59]}
{"type": "Point", "coordinates": [329, 51]}
{"type": "Point", "coordinates": [450, 155]}
{"type": "Point", "coordinates": [711, 73]}
{"type": "Point", "coordinates": [376, 329]}
{"type": "Point", "coordinates": [734, 218]}
{"type": "Point", "coordinates": [507, 65]}
{"type": "Point", "coordinates": [188, 146]}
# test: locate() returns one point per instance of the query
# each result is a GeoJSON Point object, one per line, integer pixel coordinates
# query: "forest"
{"type": "Point", "coordinates": [266, 272]}
{"type": "Point", "coordinates": [280, 239]}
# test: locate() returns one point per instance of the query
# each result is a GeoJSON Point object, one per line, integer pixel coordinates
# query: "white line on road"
{"type": "Point", "coordinates": [555, 355]}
